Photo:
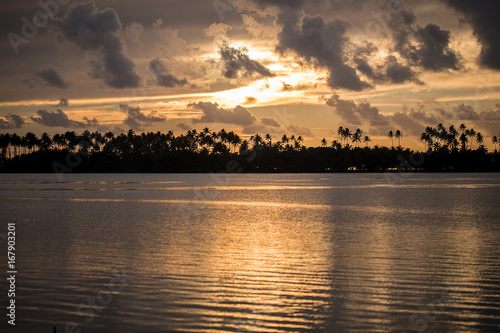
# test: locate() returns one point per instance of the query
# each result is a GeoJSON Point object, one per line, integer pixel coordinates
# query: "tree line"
{"type": "Point", "coordinates": [446, 149]}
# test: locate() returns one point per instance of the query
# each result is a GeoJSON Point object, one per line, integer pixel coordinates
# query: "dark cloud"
{"type": "Point", "coordinates": [163, 78]}
{"type": "Point", "coordinates": [435, 53]}
{"type": "Point", "coordinates": [398, 73]}
{"type": "Point", "coordinates": [184, 126]}
{"type": "Point", "coordinates": [345, 109]}
{"type": "Point", "coordinates": [212, 113]}
{"type": "Point", "coordinates": [12, 121]}
{"type": "Point", "coordinates": [321, 43]}
{"type": "Point", "coordinates": [289, 87]}
{"type": "Point", "coordinates": [52, 78]}
{"type": "Point", "coordinates": [136, 119]}
{"type": "Point", "coordinates": [483, 17]}
{"type": "Point", "coordinates": [407, 123]}
{"type": "Point", "coordinates": [97, 30]}
{"type": "Point", "coordinates": [424, 117]}
{"type": "Point", "coordinates": [55, 119]}
{"type": "Point", "coordinates": [427, 47]}
{"type": "Point", "coordinates": [299, 130]}
{"type": "Point", "coordinates": [250, 100]}
{"type": "Point", "coordinates": [236, 60]}
{"type": "Point", "coordinates": [63, 102]}
{"type": "Point", "coordinates": [281, 3]}
{"type": "Point", "coordinates": [270, 122]}
{"type": "Point", "coordinates": [465, 112]}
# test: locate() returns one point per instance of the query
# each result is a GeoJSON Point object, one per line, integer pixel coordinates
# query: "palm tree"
{"type": "Point", "coordinates": [4, 144]}
{"type": "Point", "coordinates": [391, 136]}
{"type": "Point", "coordinates": [472, 134]}
{"type": "Point", "coordinates": [15, 141]}
{"type": "Point", "coordinates": [337, 145]}
{"type": "Point", "coordinates": [284, 141]}
{"type": "Point", "coordinates": [462, 128]}
{"type": "Point", "coordinates": [257, 140]}
{"type": "Point", "coordinates": [243, 146]}
{"type": "Point", "coordinates": [425, 137]}
{"type": "Point", "coordinates": [479, 138]}
{"type": "Point", "coordinates": [347, 135]}
{"type": "Point", "coordinates": [356, 137]}
{"type": "Point", "coordinates": [45, 142]}
{"type": "Point", "coordinates": [324, 143]}
{"type": "Point", "coordinates": [494, 140]}
{"type": "Point", "coordinates": [31, 141]}
{"type": "Point", "coordinates": [340, 131]}
{"type": "Point", "coordinates": [463, 140]}
{"type": "Point", "coordinates": [269, 139]}
{"type": "Point", "coordinates": [398, 136]}
{"type": "Point", "coordinates": [366, 140]}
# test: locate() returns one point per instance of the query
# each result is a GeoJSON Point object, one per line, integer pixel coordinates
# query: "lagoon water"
{"type": "Point", "coordinates": [254, 252]}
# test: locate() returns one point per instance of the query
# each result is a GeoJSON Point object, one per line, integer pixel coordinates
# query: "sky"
{"type": "Point", "coordinates": [302, 67]}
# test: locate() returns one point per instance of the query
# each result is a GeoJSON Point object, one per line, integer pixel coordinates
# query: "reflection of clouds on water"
{"type": "Point", "coordinates": [284, 253]}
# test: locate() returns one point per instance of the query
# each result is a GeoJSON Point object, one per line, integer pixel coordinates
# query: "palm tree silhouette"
{"type": "Point", "coordinates": [15, 141]}
{"type": "Point", "coordinates": [426, 138]}
{"type": "Point", "coordinates": [324, 143]}
{"type": "Point", "coordinates": [366, 140]}
{"type": "Point", "coordinates": [347, 135]}
{"type": "Point", "coordinates": [463, 140]}
{"type": "Point", "coordinates": [391, 136]}
{"type": "Point", "coordinates": [472, 135]}
{"type": "Point", "coordinates": [494, 140]}
{"type": "Point", "coordinates": [356, 137]}
{"type": "Point", "coordinates": [398, 136]}
{"type": "Point", "coordinates": [340, 131]}
{"type": "Point", "coordinates": [479, 139]}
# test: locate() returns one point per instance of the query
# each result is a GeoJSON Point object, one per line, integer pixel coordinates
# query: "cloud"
{"type": "Point", "coordinates": [236, 61]}
{"type": "Point", "coordinates": [184, 126]}
{"type": "Point", "coordinates": [427, 47]}
{"type": "Point", "coordinates": [299, 130]}
{"type": "Point", "coordinates": [281, 3]}
{"type": "Point", "coordinates": [250, 100]}
{"type": "Point", "coordinates": [289, 87]}
{"type": "Point", "coordinates": [171, 45]}
{"type": "Point", "coordinates": [462, 112]}
{"type": "Point", "coordinates": [345, 109]}
{"type": "Point", "coordinates": [52, 78]}
{"type": "Point", "coordinates": [163, 78]}
{"type": "Point", "coordinates": [435, 53]}
{"type": "Point", "coordinates": [136, 119]}
{"type": "Point", "coordinates": [483, 18]}
{"type": "Point", "coordinates": [63, 102]}
{"type": "Point", "coordinates": [97, 30]}
{"type": "Point", "coordinates": [217, 31]}
{"type": "Point", "coordinates": [212, 113]}
{"type": "Point", "coordinates": [259, 30]}
{"type": "Point", "coordinates": [270, 122]}
{"type": "Point", "coordinates": [11, 121]}
{"type": "Point", "coordinates": [134, 31]}
{"type": "Point", "coordinates": [321, 43]}
{"type": "Point", "coordinates": [398, 73]}
{"type": "Point", "coordinates": [55, 119]}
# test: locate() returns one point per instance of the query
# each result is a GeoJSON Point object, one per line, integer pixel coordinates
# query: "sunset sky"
{"type": "Point", "coordinates": [302, 67]}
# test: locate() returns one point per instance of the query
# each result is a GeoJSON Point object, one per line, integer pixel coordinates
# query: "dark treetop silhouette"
{"type": "Point", "coordinates": [445, 149]}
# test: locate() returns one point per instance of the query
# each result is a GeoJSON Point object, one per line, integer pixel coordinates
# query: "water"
{"type": "Point", "coordinates": [255, 253]}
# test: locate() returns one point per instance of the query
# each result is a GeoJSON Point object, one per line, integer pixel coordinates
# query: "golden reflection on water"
{"type": "Point", "coordinates": [269, 259]}
{"type": "Point", "coordinates": [270, 265]}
